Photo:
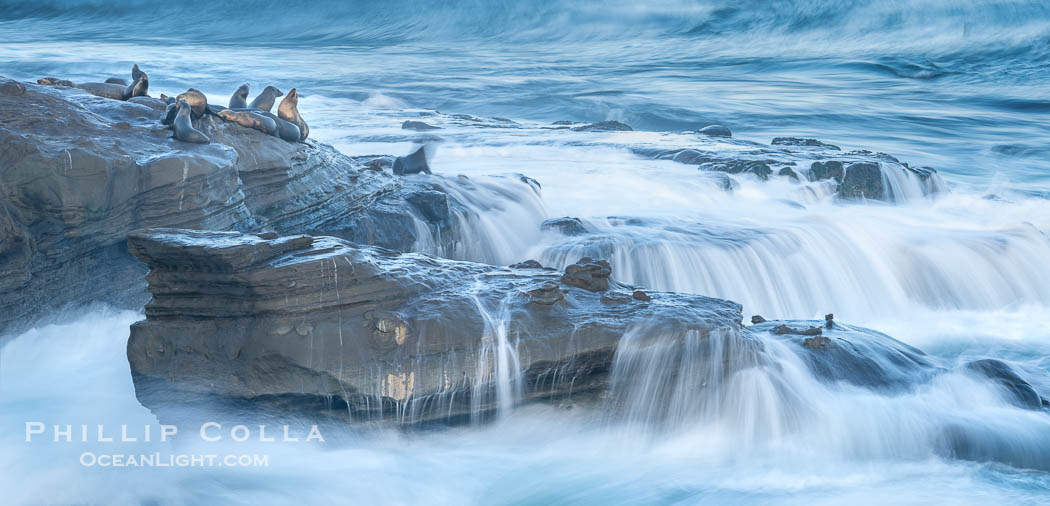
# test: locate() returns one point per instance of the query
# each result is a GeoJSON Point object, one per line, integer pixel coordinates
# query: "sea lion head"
{"type": "Point", "coordinates": [293, 97]}
{"type": "Point", "coordinates": [184, 108]}
{"type": "Point", "coordinates": [276, 92]}
{"type": "Point", "coordinates": [242, 90]}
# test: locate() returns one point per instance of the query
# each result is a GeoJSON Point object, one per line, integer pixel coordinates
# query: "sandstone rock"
{"type": "Point", "coordinates": [588, 274]}
{"type": "Point", "coordinates": [316, 323]}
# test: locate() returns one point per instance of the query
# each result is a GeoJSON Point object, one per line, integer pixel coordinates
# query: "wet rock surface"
{"type": "Point", "coordinates": [388, 336]}
{"type": "Point", "coordinates": [78, 172]}
{"type": "Point", "coordinates": [566, 226]}
{"type": "Point", "coordinates": [604, 126]}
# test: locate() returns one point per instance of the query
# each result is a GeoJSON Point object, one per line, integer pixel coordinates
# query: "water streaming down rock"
{"type": "Point", "coordinates": [499, 368]}
{"type": "Point", "coordinates": [853, 263]}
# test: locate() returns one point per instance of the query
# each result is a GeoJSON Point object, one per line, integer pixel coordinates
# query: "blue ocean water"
{"type": "Point", "coordinates": [959, 86]}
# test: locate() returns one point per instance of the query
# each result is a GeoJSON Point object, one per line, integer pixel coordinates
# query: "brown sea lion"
{"type": "Point", "coordinates": [183, 128]}
{"type": "Point", "coordinates": [54, 81]}
{"type": "Point", "coordinates": [196, 100]}
{"type": "Point", "coordinates": [239, 100]}
{"type": "Point", "coordinates": [135, 72]}
{"type": "Point", "coordinates": [116, 91]}
{"type": "Point", "coordinates": [265, 99]}
{"type": "Point", "coordinates": [289, 111]}
{"type": "Point", "coordinates": [250, 120]}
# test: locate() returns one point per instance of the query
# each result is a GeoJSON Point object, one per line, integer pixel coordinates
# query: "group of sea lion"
{"type": "Point", "coordinates": [114, 87]}
{"type": "Point", "coordinates": [287, 124]}
{"type": "Point", "coordinates": [192, 105]}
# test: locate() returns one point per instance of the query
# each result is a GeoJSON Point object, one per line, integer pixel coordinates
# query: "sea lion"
{"type": "Point", "coordinates": [289, 111]}
{"type": "Point", "coordinates": [239, 100]}
{"type": "Point", "coordinates": [250, 120]}
{"type": "Point", "coordinates": [183, 128]}
{"type": "Point", "coordinates": [135, 72]}
{"type": "Point", "coordinates": [167, 99]}
{"type": "Point", "coordinates": [169, 114]}
{"type": "Point", "coordinates": [285, 130]}
{"type": "Point", "coordinates": [196, 100]}
{"type": "Point", "coordinates": [412, 164]}
{"type": "Point", "coordinates": [116, 80]}
{"type": "Point", "coordinates": [265, 99]}
{"type": "Point", "coordinates": [116, 91]}
{"type": "Point", "coordinates": [54, 81]}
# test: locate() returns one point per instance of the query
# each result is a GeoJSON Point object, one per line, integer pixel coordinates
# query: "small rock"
{"type": "Point", "coordinates": [566, 225]}
{"type": "Point", "coordinates": [615, 298]}
{"type": "Point", "coordinates": [589, 274]}
{"type": "Point", "coordinates": [829, 318]}
{"type": "Point", "coordinates": [604, 126]}
{"type": "Point", "coordinates": [715, 131]}
{"type": "Point", "coordinates": [528, 264]}
{"type": "Point", "coordinates": [303, 329]}
{"type": "Point", "coordinates": [547, 293]}
{"type": "Point", "coordinates": [789, 172]}
{"type": "Point", "coordinates": [267, 235]}
{"type": "Point", "coordinates": [817, 343]}
{"type": "Point", "coordinates": [418, 125]}
{"type": "Point", "coordinates": [782, 330]}
{"type": "Point", "coordinates": [642, 296]}
{"type": "Point", "coordinates": [414, 163]}
{"type": "Point", "coordinates": [756, 319]}
{"type": "Point", "coordinates": [1022, 393]}
{"type": "Point", "coordinates": [831, 169]}
{"type": "Point", "coordinates": [9, 88]}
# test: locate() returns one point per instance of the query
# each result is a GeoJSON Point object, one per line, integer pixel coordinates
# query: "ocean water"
{"type": "Point", "coordinates": [957, 86]}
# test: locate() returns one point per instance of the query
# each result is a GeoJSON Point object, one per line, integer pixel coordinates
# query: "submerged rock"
{"type": "Point", "coordinates": [795, 141]}
{"type": "Point", "coordinates": [715, 131]}
{"type": "Point", "coordinates": [831, 169]}
{"type": "Point", "coordinates": [566, 226]}
{"type": "Point", "coordinates": [1020, 392]}
{"type": "Point", "coordinates": [418, 125]}
{"type": "Point", "coordinates": [320, 324]}
{"type": "Point", "coordinates": [604, 126]}
{"type": "Point", "coordinates": [757, 167]}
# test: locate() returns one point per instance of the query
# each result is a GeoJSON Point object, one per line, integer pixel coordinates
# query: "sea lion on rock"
{"type": "Point", "coordinates": [412, 164]}
{"type": "Point", "coordinates": [239, 100]}
{"type": "Point", "coordinates": [289, 111]}
{"type": "Point", "coordinates": [265, 99]}
{"type": "Point", "coordinates": [11, 88]}
{"type": "Point", "coordinates": [183, 128]}
{"type": "Point", "coordinates": [116, 80]}
{"type": "Point", "coordinates": [116, 91]}
{"type": "Point", "coordinates": [54, 81]}
{"type": "Point", "coordinates": [196, 100]}
{"type": "Point", "coordinates": [285, 130]}
{"type": "Point", "coordinates": [169, 114]}
{"type": "Point", "coordinates": [135, 72]}
{"type": "Point", "coordinates": [250, 120]}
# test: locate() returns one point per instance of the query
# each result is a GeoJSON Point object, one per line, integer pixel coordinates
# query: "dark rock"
{"type": "Point", "coordinates": [756, 319]}
{"type": "Point", "coordinates": [547, 293]}
{"type": "Point", "coordinates": [588, 274]}
{"type": "Point", "coordinates": [563, 122]}
{"type": "Point", "coordinates": [432, 205]}
{"type": "Point", "coordinates": [757, 167]}
{"type": "Point", "coordinates": [418, 125]}
{"type": "Point", "coordinates": [616, 298]}
{"type": "Point", "coordinates": [566, 226]}
{"type": "Point", "coordinates": [691, 157]}
{"type": "Point", "coordinates": [527, 264]}
{"type": "Point", "coordinates": [715, 131]}
{"type": "Point", "coordinates": [817, 343]}
{"type": "Point", "coordinates": [856, 355]}
{"type": "Point", "coordinates": [604, 126]}
{"type": "Point", "coordinates": [414, 163]}
{"type": "Point", "coordinates": [1020, 392]}
{"type": "Point", "coordinates": [862, 180]}
{"type": "Point", "coordinates": [642, 296]}
{"type": "Point", "coordinates": [369, 334]}
{"type": "Point", "coordinates": [789, 172]}
{"type": "Point", "coordinates": [11, 88]}
{"type": "Point", "coordinates": [829, 319]}
{"type": "Point", "coordinates": [831, 169]}
{"type": "Point", "coordinates": [782, 330]}
{"type": "Point", "coordinates": [795, 141]}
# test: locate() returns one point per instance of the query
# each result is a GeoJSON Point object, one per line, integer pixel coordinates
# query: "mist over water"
{"type": "Point", "coordinates": [961, 274]}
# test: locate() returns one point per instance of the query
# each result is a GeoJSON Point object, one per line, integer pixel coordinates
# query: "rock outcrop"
{"type": "Point", "coordinates": [319, 323]}
{"type": "Point", "coordinates": [78, 172]}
